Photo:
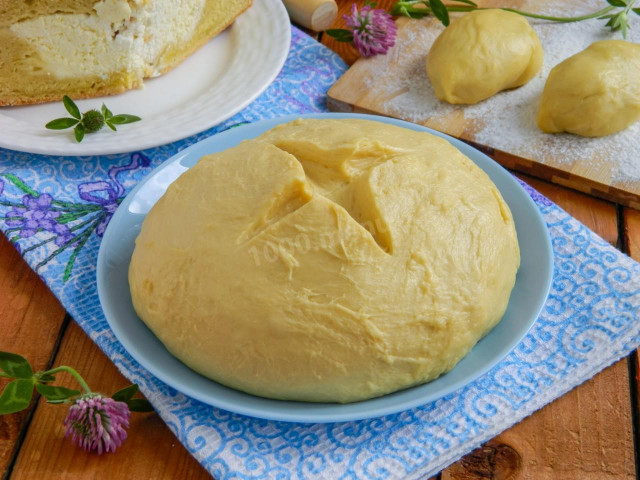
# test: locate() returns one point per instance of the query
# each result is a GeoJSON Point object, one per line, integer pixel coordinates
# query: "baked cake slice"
{"type": "Point", "coordinates": [90, 48]}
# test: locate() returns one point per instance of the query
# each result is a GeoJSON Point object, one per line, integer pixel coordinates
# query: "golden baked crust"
{"type": "Point", "coordinates": [12, 11]}
{"type": "Point", "coordinates": [217, 16]}
{"type": "Point", "coordinates": [27, 78]}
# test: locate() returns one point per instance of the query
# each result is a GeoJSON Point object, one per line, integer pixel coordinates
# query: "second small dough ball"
{"type": "Point", "coordinates": [596, 92]}
{"type": "Point", "coordinates": [482, 53]}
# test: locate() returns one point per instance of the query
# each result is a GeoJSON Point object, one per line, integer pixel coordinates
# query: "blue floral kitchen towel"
{"type": "Point", "coordinates": [55, 211]}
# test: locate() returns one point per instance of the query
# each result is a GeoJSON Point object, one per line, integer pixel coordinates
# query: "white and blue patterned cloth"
{"type": "Point", "coordinates": [55, 210]}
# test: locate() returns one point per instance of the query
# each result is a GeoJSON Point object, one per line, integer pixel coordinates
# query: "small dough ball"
{"type": "Point", "coordinates": [596, 92]}
{"type": "Point", "coordinates": [327, 260]}
{"type": "Point", "coordinates": [482, 53]}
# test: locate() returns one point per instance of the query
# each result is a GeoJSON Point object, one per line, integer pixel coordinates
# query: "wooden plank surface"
{"type": "Point", "coordinates": [592, 168]}
{"type": "Point", "coordinates": [30, 321]}
{"type": "Point", "coordinates": [150, 451]}
{"type": "Point", "coordinates": [586, 434]}
{"type": "Point", "coordinates": [631, 229]}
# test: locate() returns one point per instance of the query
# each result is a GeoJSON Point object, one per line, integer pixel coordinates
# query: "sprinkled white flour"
{"type": "Point", "coordinates": [507, 121]}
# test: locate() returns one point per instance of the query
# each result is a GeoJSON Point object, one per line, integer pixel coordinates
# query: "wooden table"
{"type": "Point", "coordinates": [591, 433]}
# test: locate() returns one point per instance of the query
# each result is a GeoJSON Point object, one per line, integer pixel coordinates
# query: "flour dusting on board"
{"type": "Point", "coordinates": [507, 121]}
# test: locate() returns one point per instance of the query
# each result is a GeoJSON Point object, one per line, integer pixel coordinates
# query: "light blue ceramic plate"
{"type": "Point", "coordinates": [528, 296]}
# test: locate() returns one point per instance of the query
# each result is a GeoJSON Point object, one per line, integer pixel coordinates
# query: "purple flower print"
{"type": "Point", "coordinates": [90, 192]}
{"type": "Point", "coordinates": [64, 235]}
{"type": "Point", "coordinates": [36, 214]}
{"type": "Point", "coordinates": [69, 224]}
{"type": "Point", "coordinates": [109, 194]}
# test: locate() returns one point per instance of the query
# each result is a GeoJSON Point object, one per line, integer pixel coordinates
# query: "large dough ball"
{"type": "Point", "coordinates": [328, 260]}
{"type": "Point", "coordinates": [482, 53]}
{"type": "Point", "coordinates": [596, 92]}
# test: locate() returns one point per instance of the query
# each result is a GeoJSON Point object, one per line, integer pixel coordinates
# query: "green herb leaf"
{"type": "Point", "coordinates": [90, 121]}
{"type": "Point", "coordinates": [405, 9]}
{"type": "Point", "coordinates": [61, 123]}
{"type": "Point", "coordinates": [46, 378]}
{"type": "Point", "coordinates": [125, 394]}
{"type": "Point", "coordinates": [15, 365]}
{"type": "Point", "coordinates": [617, 3]}
{"type": "Point", "coordinates": [56, 394]}
{"type": "Point", "coordinates": [139, 405]}
{"type": "Point", "coordinates": [71, 107]}
{"type": "Point", "coordinates": [79, 132]}
{"type": "Point", "coordinates": [340, 34]}
{"type": "Point", "coordinates": [440, 11]}
{"type": "Point", "coordinates": [636, 10]}
{"type": "Point", "coordinates": [123, 118]}
{"type": "Point", "coordinates": [616, 23]}
{"type": "Point", "coordinates": [623, 27]}
{"type": "Point", "coordinates": [399, 9]}
{"type": "Point", "coordinates": [106, 113]}
{"type": "Point", "coordinates": [16, 396]}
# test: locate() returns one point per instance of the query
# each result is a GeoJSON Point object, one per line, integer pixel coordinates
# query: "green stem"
{"type": "Point", "coordinates": [76, 206]}
{"type": "Point", "coordinates": [81, 207]}
{"type": "Point", "coordinates": [63, 208]}
{"type": "Point", "coordinates": [72, 258]}
{"type": "Point", "coordinates": [38, 245]}
{"type": "Point", "coordinates": [73, 373]}
{"type": "Point", "coordinates": [464, 8]}
{"type": "Point", "coordinates": [20, 184]}
{"type": "Point", "coordinates": [96, 218]}
{"type": "Point", "coordinates": [597, 14]}
{"type": "Point", "coordinates": [71, 216]}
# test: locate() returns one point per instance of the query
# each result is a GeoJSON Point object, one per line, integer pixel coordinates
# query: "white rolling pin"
{"type": "Point", "coordinates": [317, 15]}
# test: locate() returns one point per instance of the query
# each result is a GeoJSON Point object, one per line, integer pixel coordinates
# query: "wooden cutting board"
{"type": "Point", "coordinates": [503, 126]}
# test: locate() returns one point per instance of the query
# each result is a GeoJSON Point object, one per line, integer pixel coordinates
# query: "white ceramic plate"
{"type": "Point", "coordinates": [527, 297]}
{"type": "Point", "coordinates": [216, 82]}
